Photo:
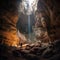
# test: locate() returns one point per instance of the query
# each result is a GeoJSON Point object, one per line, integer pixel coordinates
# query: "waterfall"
{"type": "Point", "coordinates": [29, 28]}
{"type": "Point", "coordinates": [27, 7]}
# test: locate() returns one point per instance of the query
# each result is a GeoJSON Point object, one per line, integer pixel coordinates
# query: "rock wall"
{"type": "Point", "coordinates": [50, 11]}
{"type": "Point", "coordinates": [8, 19]}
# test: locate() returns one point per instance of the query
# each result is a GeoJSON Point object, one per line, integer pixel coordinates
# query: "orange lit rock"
{"type": "Point", "coordinates": [8, 20]}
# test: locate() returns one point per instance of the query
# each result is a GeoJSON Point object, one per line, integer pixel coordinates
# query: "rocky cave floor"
{"type": "Point", "coordinates": [31, 52]}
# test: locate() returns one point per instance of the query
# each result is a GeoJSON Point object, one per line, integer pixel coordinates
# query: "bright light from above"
{"type": "Point", "coordinates": [28, 6]}
{"type": "Point", "coordinates": [30, 2]}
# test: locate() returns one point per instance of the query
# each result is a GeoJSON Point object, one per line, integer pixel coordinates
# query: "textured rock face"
{"type": "Point", "coordinates": [50, 11]}
{"type": "Point", "coordinates": [54, 10]}
{"type": "Point", "coordinates": [8, 19]}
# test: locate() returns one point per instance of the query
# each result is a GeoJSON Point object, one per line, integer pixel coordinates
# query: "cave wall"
{"type": "Point", "coordinates": [50, 10]}
{"type": "Point", "coordinates": [8, 19]}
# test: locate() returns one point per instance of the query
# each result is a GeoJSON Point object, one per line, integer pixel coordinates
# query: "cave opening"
{"type": "Point", "coordinates": [26, 19]}
{"type": "Point", "coordinates": [23, 23]}
{"type": "Point", "coordinates": [32, 25]}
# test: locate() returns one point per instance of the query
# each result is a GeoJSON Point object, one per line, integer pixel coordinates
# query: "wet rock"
{"type": "Point", "coordinates": [55, 57]}
{"type": "Point", "coordinates": [31, 57]}
{"type": "Point", "coordinates": [48, 53]}
{"type": "Point", "coordinates": [16, 53]}
{"type": "Point", "coordinates": [57, 44]}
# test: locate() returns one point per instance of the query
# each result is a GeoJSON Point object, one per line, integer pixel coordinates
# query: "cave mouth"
{"type": "Point", "coordinates": [26, 19]}
{"type": "Point", "coordinates": [29, 26]}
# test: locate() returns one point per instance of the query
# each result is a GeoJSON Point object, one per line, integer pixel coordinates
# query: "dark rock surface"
{"type": "Point", "coordinates": [34, 53]}
{"type": "Point", "coordinates": [50, 10]}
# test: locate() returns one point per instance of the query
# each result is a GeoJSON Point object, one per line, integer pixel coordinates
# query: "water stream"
{"type": "Point", "coordinates": [27, 8]}
{"type": "Point", "coordinates": [29, 30]}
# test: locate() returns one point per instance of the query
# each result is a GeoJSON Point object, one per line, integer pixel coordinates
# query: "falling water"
{"type": "Point", "coordinates": [27, 7]}
{"type": "Point", "coordinates": [29, 30]}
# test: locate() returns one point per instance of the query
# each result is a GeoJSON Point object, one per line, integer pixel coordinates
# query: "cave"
{"type": "Point", "coordinates": [30, 30]}
{"type": "Point", "coordinates": [35, 23]}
